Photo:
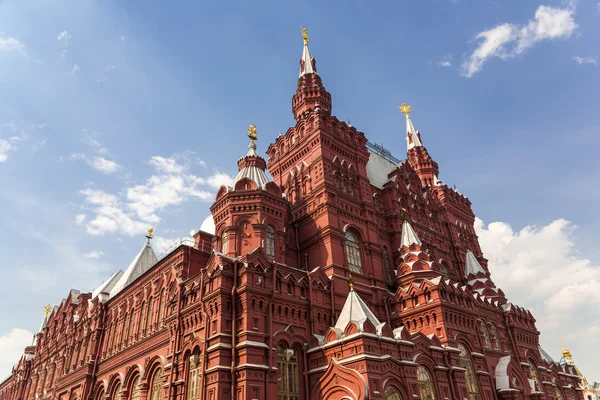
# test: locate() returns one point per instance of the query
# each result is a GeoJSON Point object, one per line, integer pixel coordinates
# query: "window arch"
{"type": "Point", "coordinates": [533, 375]}
{"type": "Point", "coordinates": [135, 392]}
{"type": "Point", "coordinates": [288, 381]}
{"type": "Point", "coordinates": [471, 380]}
{"type": "Point", "coordinates": [391, 393]}
{"type": "Point", "coordinates": [353, 252]}
{"type": "Point", "coordinates": [386, 267]}
{"type": "Point", "coordinates": [444, 270]}
{"type": "Point", "coordinates": [557, 393]}
{"type": "Point", "coordinates": [116, 395]}
{"type": "Point", "coordinates": [193, 384]}
{"type": "Point", "coordinates": [270, 242]}
{"type": "Point", "coordinates": [157, 384]}
{"type": "Point", "coordinates": [485, 335]}
{"type": "Point", "coordinates": [224, 243]}
{"type": "Point", "coordinates": [425, 384]}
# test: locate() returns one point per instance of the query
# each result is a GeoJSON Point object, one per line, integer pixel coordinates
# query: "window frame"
{"type": "Point", "coordinates": [353, 252]}
{"type": "Point", "coordinates": [270, 242]}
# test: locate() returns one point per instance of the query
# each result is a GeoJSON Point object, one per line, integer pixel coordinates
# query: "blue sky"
{"type": "Point", "coordinates": [116, 116]}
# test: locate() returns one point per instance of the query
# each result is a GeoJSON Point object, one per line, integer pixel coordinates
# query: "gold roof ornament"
{"type": "Point", "coordinates": [47, 310]}
{"type": "Point", "coordinates": [405, 109]}
{"type": "Point", "coordinates": [305, 36]}
{"type": "Point", "coordinates": [150, 234]}
{"type": "Point", "coordinates": [565, 352]}
{"type": "Point", "coordinates": [252, 133]}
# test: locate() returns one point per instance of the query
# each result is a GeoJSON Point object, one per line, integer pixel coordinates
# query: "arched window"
{"type": "Point", "coordinates": [391, 393]}
{"type": "Point", "coordinates": [270, 242]}
{"type": "Point", "coordinates": [157, 385]}
{"type": "Point", "coordinates": [134, 392]}
{"type": "Point", "coordinates": [425, 384]}
{"type": "Point", "coordinates": [444, 271]}
{"type": "Point", "coordinates": [193, 383]}
{"type": "Point", "coordinates": [353, 252]}
{"type": "Point", "coordinates": [287, 374]}
{"type": "Point", "coordinates": [224, 243]}
{"type": "Point", "coordinates": [149, 317]}
{"type": "Point", "coordinates": [485, 335]}
{"type": "Point", "coordinates": [559, 395]}
{"type": "Point", "coordinates": [386, 267]}
{"type": "Point", "coordinates": [116, 395]}
{"type": "Point", "coordinates": [495, 336]}
{"type": "Point", "coordinates": [471, 380]}
{"type": "Point", "coordinates": [533, 375]}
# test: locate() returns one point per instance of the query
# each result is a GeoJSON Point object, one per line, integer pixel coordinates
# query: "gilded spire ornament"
{"type": "Point", "coordinates": [405, 109]}
{"type": "Point", "coordinates": [252, 133]}
{"type": "Point", "coordinates": [565, 351]}
{"type": "Point", "coordinates": [150, 234]}
{"type": "Point", "coordinates": [47, 310]}
{"type": "Point", "coordinates": [305, 36]}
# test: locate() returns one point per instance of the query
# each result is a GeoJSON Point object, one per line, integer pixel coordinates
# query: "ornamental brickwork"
{"type": "Point", "coordinates": [349, 275]}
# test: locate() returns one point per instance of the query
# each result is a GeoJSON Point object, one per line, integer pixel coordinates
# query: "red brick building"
{"type": "Point", "coordinates": [349, 275]}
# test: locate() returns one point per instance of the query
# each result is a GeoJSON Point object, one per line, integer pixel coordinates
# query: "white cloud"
{"type": "Point", "coordinates": [539, 268]}
{"type": "Point", "coordinates": [94, 254]}
{"type": "Point", "coordinates": [80, 218]}
{"type": "Point", "coordinates": [137, 207]}
{"type": "Point", "coordinates": [585, 60]}
{"type": "Point", "coordinates": [208, 225]}
{"type": "Point", "coordinates": [64, 37]}
{"type": "Point", "coordinates": [10, 44]}
{"type": "Point", "coordinates": [103, 165]}
{"type": "Point", "coordinates": [75, 70]}
{"type": "Point", "coordinates": [12, 345]}
{"type": "Point", "coordinates": [445, 62]}
{"type": "Point", "coordinates": [548, 23]}
{"type": "Point", "coordinates": [5, 147]}
{"type": "Point", "coordinates": [162, 245]}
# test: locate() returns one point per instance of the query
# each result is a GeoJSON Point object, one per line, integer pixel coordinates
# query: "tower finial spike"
{"type": "Point", "coordinates": [150, 234]}
{"type": "Point", "coordinates": [47, 310]}
{"type": "Point", "coordinates": [405, 109]}
{"type": "Point", "coordinates": [252, 133]}
{"type": "Point", "coordinates": [304, 36]}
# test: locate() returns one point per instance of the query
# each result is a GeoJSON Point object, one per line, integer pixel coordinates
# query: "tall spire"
{"type": "Point", "coordinates": [310, 96]}
{"type": "Point", "coordinates": [417, 155]}
{"type": "Point", "coordinates": [413, 138]}
{"type": "Point", "coordinates": [47, 310]}
{"type": "Point", "coordinates": [308, 65]}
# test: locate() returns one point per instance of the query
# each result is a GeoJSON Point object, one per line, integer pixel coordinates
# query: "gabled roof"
{"type": "Point", "coordinates": [473, 267]}
{"type": "Point", "coordinates": [409, 236]}
{"type": "Point", "coordinates": [108, 284]}
{"type": "Point", "coordinates": [140, 264]}
{"type": "Point", "coordinates": [355, 310]}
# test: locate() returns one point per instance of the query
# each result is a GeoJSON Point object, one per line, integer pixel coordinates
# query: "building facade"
{"type": "Point", "coordinates": [348, 275]}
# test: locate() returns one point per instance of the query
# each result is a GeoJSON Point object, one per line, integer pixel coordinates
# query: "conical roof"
{"type": "Point", "coordinates": [472, 265]}
{"type": "Point", "coordinates": [355, 310]}
{"type": "Point", "coordinates": [307, 63]}
{"type": "Point", "coordinates": [108, 284]}
{"type": "Point", "coordinates": [140, 264]}
{"type": "Point", "coordinates": [409, 236]}
{"type": "Point", "coordinates": [412, 135]}
{"type": "Point", "coordinates": [252, 166]}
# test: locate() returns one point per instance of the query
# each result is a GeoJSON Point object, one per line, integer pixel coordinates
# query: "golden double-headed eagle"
{"type": "Point", "coordinates": [252, 133]}
{"type": "Point", "coordinates": [47, 310]}
{"type": "Point", "coordinates": [405, 109]}
{"type": "Point", "coordinates": [305, 36]}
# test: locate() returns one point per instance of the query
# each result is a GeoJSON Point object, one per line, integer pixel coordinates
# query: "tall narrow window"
{"type": "Point", "coordinates": [391, 393]}
{"type": "Point", "coordinates": [386, 266]}
{"type": "Point", "coordinates": [140, 322]}
{"type": "Point", "coordinates": [425, 384]}
{"type": "Point", "coordinates": [157, 385]}
{"type": "Point", "coordinates": [353, 252]}
{"type": "Point", "coordinates": [193, 383]}
{"type": "Point", "coordinates": [287, 374]}
{"type": "Point", "coordinates": [117, 392]}
{"type": "Point", "coordinates": [485, 335]}
{"type": "Point", "coordinates": [224, 243]}
{"type": "Point", "coordinates": [533, 375]}
{"type": "Point", "coordinates": [135, 391]}
{"type": "Point", "coordinates": [125, 329]}
{"type": "Point", "coordinates": [149, 317]}
{"type": "Point", "coordinates": [130, 328]}
{"type": "Point", "coordinates": [467, 364]}
{"type": "Point", "coordinates": [495, 336]}
{"type": "Point", "coordinates": [270, 242]}
{"type": "Point", "coordinates": [161, 305]}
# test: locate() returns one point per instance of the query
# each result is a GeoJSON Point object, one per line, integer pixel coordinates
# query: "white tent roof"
{"type": "Point", "coordinates": [409, 236]}
{"type": "Point", "coordinates": [140, 264]}
{"type": "Point", "coordinates": [108, 284]}
{"type": "Point", "coordinates": [473, 266]}
{"type": "Point", "coordinates": [355, 310]}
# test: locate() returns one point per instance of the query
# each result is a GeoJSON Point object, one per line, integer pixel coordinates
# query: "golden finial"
{"type": "Point", "coordinates": [150, 234]}
{"type": "Point", "coordinates": [47, 310]}
{"type": "Point", "coordinates": [406, 109]}
{"type": "Point", "coordinates": [252, 133]}
{"type": "Point", "coordinates": [565, 352]}
{"type": "Point", "coordinates": [305, 36]}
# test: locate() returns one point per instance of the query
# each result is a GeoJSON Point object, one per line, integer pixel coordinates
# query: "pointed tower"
{"type": "Point", "coordinates": [250, 212]}
{"type": "Point", "coordinates": [310, 94]}
{"type": "Point", "coordinates": [567, 359]}
{"type": "Point", "coordinates": [478, 279]}
{"type": "Point", "coordinates": [415, 264]}
{"type": "Point", "coordinates": [417, 154]}
{"type": "Point", "coordinates": [47, 310]}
